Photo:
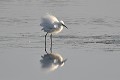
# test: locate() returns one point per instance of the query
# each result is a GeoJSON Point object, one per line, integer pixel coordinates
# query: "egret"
{"type": "Point", "coordinates": [52, 61]}
{"type": "Point", "coordinates": [51, 25]}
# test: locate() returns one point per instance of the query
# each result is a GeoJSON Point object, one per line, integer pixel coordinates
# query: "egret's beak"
{"type": "Point", "coordinates": [65, 26]}
{"type": "Point", "coordinates": [64, 60]}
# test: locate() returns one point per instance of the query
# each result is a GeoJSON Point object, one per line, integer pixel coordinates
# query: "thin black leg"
{"type": "Point", "coordinates": [51, 43]}
{"type": "Point", "coordinates": [45, 43]}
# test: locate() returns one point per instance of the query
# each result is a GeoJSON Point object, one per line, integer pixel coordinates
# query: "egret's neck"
{"type": "Point", "coordinates": [61, 27]}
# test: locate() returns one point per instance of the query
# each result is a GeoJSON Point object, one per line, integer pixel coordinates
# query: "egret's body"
{"type": "Point", "coordinates": [51, 25]}
{"type": "Point", "coordinates": [52, 61]}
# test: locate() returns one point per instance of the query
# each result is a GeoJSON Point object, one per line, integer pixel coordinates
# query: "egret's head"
{"type": "Point", "coordinates": [62, 23]}
{"type": "Point", "coordinates": [62, 63]}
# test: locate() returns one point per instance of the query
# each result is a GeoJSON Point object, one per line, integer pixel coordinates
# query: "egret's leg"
{"type": "Point", "coordinates": [51, 43]}
{"type": "Point", "coordinates": [45, 43]}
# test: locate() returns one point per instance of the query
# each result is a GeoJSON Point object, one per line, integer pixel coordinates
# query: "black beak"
{"type": "Point", "coordinates": [64, 60]}
{"type": "Point", "coordinates": [65, 26]}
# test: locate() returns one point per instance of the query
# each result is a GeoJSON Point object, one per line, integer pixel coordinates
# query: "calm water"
{"type": "Point", "coordinates": [91, 44]}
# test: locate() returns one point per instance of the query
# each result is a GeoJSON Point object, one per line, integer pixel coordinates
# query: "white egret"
{"type": "Point", "coordinates": [52, 61]}
{"type": "Point", "coordinates": [51, 25]}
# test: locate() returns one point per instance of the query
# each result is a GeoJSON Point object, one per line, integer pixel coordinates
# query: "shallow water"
{"type": "Point", "coordinates": [91, 44]}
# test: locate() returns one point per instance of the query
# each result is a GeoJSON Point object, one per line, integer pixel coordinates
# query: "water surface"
{"type": "Point", "coordinates": [91, 44]}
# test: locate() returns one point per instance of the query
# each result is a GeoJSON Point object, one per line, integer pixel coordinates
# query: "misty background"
{"type": "Point", "coordinates": [91, 44]}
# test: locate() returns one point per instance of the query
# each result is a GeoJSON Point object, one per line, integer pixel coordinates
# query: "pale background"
{"type": "Point", "coordinates": [91, 44]}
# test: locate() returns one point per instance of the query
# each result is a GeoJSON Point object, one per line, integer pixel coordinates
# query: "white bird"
{"type": "Point", "coordinates": [51, 25]}
{"type": "Point", "coordinates": [52, 61]}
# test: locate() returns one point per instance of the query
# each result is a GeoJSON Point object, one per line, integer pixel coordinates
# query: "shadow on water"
{"type": "Point", "coordinates": [50, 62]}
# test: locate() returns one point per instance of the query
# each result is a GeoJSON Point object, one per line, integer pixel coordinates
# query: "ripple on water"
{"type": "Point", "coordinates": [29, 40]}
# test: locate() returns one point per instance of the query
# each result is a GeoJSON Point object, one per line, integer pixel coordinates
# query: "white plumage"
{"type": "Point", "coordinates": [51, 25]}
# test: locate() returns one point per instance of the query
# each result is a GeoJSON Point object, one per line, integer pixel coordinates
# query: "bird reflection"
{"type": "Point", "coordinates": [52, 61]}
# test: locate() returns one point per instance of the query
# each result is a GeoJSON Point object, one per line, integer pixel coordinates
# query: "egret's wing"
{"type": "Point", "coordinates": [48, 21]}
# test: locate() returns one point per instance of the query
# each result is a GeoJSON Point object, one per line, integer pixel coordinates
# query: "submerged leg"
{"type": "Point", "coordinates": [51, 43]}
{"type": "Point", "coordinates": [45, 43]}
